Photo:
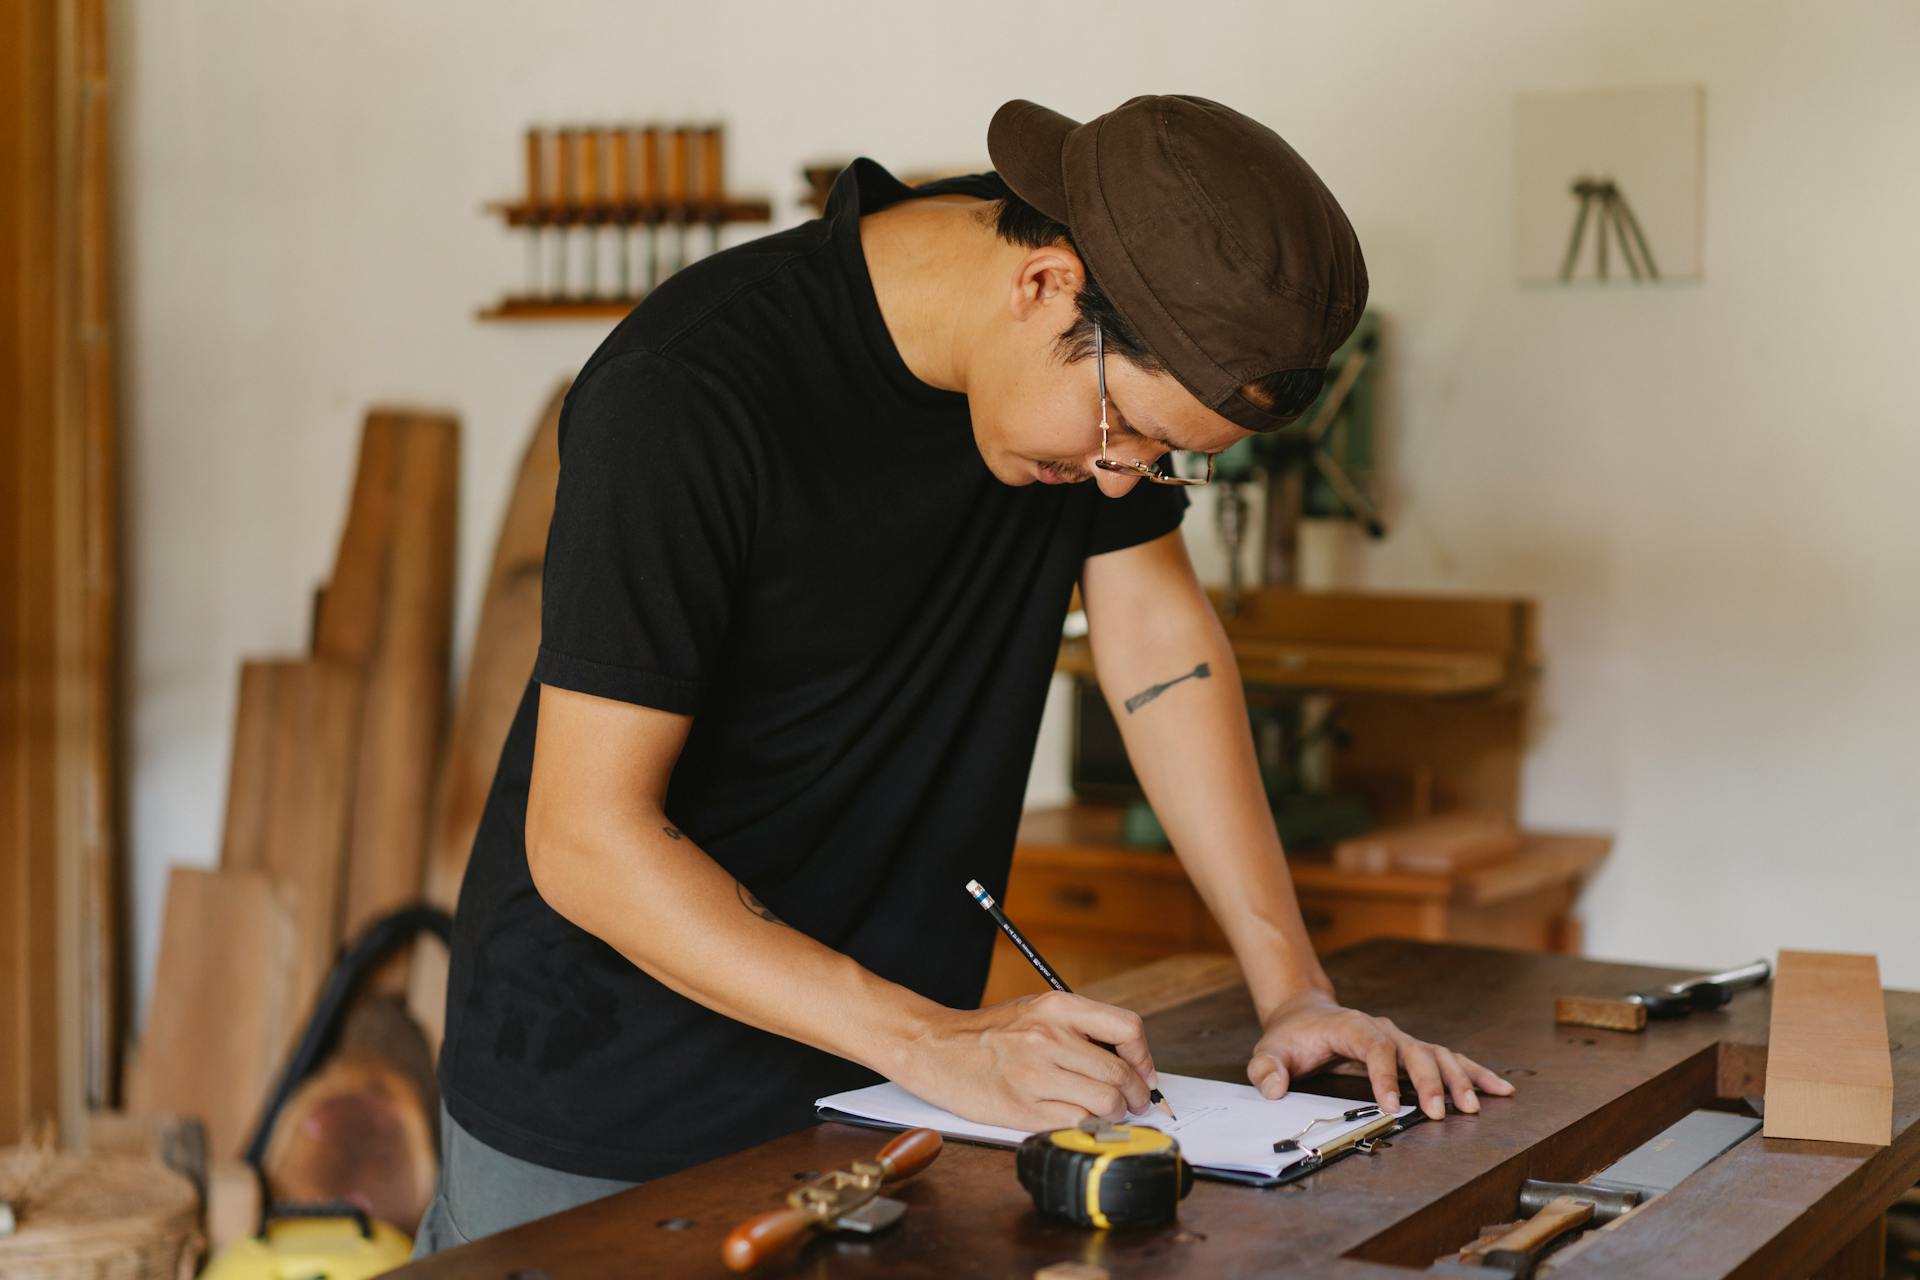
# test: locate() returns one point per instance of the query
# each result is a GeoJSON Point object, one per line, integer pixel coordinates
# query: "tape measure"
{"type": "Point", "coordinates": [1105, 1175]}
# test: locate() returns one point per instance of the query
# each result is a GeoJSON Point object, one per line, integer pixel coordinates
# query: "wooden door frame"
{"type": "Point", "coordinates": [60, 875]}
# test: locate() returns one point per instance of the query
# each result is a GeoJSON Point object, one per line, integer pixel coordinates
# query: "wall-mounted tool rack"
{"type": "Point", "coordinates": [610, 211]}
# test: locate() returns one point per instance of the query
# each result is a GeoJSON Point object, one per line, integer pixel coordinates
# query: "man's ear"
{"type": "Point", "coordinates": [1047, 277]}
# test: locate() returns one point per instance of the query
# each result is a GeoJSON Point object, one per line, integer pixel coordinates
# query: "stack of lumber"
{"type": "Point", "coordinates": [333, 759]}
{"type": "Point", "coordinates": [347, 799]}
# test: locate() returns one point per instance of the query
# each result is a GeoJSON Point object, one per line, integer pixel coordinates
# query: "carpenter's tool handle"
{"type": "Point", "coordinates": [1517, 1249]}
{"type": "Point", "coordinates": [763, 1237]}
{"type": "Point", "coordinates": [1715, 990]}
{"type": "Point", "coordinates": [909, 1153]}
{"type": "Point", "coordinates": [536, 169]}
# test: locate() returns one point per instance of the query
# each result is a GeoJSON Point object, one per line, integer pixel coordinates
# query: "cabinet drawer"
{"type": "Point", "coordinates": [1335, 920]}
{"type": "Point", "coordinates": [1142, 908]}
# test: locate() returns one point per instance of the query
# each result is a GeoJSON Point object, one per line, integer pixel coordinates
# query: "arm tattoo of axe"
{"type": "Point", "coordinates": [1153, 691]}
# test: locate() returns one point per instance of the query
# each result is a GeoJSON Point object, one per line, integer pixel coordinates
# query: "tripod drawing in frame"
{"type": "Point", "coordinates": [1615, 214]}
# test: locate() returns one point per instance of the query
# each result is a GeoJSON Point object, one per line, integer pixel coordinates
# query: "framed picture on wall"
{"type": "Point", "coordinates": [1609, 185]}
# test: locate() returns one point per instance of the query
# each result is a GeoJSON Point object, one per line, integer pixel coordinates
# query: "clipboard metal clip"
{"type": "Point", "coordinates": [1365, 1140]}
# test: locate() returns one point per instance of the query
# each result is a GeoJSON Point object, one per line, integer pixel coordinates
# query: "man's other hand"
{"type": "Point", "coordinates": [1312, 1029]}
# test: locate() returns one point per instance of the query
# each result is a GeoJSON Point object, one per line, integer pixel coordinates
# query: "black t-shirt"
{"type": "Point", "coordinates": [766, 522]}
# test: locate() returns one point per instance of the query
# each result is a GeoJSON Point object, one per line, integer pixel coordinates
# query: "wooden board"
{"type": "Point", "coordinates": [309, 795]}
{"type": "Point", "coordinates": [387, 612]}
{"type": "Point", "coordinates": [504, 645]}
{"type": "Point", "coordinates": [1443, 845]}
{"type": "Point", "coordinates": [250, 766]}
{"type": "Point", "coordinates": [216, 1027]}
{"type": "Point", "coordinates": [60, 861]}
{"type": "Point", "coordinates": [1829, 1071]}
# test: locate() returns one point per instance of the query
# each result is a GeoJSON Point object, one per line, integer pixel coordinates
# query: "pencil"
{"type": "Point", "coordinates": [992, 908]}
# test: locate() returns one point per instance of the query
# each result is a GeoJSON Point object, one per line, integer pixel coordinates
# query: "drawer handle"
{"type": "Point", "coordinates": [1078, 897]}
{"type": "Point", "coordinates": [1317, 921]}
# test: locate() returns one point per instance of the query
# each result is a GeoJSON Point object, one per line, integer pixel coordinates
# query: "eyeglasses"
{"type": "Point", "coordinates": [1160, 472]}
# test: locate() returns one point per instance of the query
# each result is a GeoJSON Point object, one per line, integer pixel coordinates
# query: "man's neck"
{"type": "Point", "coordinates": [929, 259]}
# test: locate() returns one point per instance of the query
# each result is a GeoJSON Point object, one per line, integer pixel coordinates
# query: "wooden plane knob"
{"type": "Point", "coordinates": [763, 1237]}
{"type": "Point", "coordinates": [909, 1153]}
{"type": "Point", "coordinates": [1561, 1215]}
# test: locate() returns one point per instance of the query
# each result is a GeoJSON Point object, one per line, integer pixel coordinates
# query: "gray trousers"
{"type": "Point", "coordinates": [482, 1191]}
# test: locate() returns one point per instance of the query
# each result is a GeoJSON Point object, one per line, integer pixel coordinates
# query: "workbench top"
{"type": "Point", "coordinates": [1769, 1208]}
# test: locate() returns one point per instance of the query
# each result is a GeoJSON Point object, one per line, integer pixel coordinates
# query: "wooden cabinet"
{"type": "Point", "coordinates": [1096, 907]}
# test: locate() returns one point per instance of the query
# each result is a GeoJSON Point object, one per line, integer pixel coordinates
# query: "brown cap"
{"type": "Point", "coordinates": [1214, 239]}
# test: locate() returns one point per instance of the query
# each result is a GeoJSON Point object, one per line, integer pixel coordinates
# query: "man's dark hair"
{"type": "Point", "coordinates": [1018, 222]}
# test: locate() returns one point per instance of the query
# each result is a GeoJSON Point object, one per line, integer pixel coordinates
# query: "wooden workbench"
{"type": "Point", "coordinates": [1769, 1208]}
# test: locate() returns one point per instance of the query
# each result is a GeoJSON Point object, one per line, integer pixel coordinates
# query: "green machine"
{"type": "Point", "coordinates": [1322, 467]}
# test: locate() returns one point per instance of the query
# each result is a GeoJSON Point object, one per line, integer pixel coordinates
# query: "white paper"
{"type": "Point", "coordinates": [1220, 1126]}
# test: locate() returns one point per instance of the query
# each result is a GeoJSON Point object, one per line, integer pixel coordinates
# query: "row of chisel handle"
{"type": "Point", "coordinates": [647, 173]}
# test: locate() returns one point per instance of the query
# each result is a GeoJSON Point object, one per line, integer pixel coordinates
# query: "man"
{"type": "Point", "coordinates": [815, 537]}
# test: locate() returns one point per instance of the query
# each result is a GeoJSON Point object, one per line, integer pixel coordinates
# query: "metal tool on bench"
{"type": "Point", "coordinates": [1676, 1000]}
{"type": "Point", "coordinates": [847, 1200]}
{"type": "Point", "coordinates": [1560, 1208]}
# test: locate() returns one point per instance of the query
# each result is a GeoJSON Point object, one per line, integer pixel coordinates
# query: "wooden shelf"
{"type": "Point", "coordinates": [559, 309]}
{"type": "Point", "coordinates": [652, 213]}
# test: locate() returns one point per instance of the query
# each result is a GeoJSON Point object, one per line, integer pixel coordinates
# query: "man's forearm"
{"type": "Point", "coordinates": [1175, 690]}
{"type": "Point", "coordinates": [645, 888]}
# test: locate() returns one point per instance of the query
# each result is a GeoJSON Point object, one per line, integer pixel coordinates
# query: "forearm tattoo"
{"type": "Point", "coordinates": [754, 904]}
{"type": "Point", "coordinates": [674, 833]}
{"type": "Point", "coordinates": [1153, 691]}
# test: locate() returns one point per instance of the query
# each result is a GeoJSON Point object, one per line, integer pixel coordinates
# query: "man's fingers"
{"type": "Point", "coordinates": [1485, 1080]}
{"type": "Point", "coordinates": [1095, 1096]}
{"type": "Point", "coordinates": [1383, 1069]}
{"type": "Point", "coordinates": [1104, 1024]}
{"type": "Point", "coordinates": [1424, 1071]}
{"type": "Point", "coordinates": [1269, 1076]}
{"type": "Point", "coordinates": [1090, 1060]}
{"type": "Point", "coordinates": [1458, 1083]}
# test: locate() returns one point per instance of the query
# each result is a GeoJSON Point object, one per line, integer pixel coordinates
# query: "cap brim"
{"type": "Point", "coordinates": [1024, 141]}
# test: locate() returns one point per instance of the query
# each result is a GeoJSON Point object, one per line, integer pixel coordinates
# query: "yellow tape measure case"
{"type": "Point", "coordinates": [1101, 1175]}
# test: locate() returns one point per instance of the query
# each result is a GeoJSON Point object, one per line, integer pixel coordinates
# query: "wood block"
{"type": "Point", "coordinates": [388, 613]}
{"type": "Point", "coordinates": [216, 1027]}
{"type": "Point", "coordinates": [356, 1130]}
{"type": "Point", "coordinates": [1438, 846]}
{"type": "Point", "coordinates": [1595, 1011]}
{"type": "Point", "coordinates": [1829, 1070]}
{"type": "Point", "coordinates": [504, 645]}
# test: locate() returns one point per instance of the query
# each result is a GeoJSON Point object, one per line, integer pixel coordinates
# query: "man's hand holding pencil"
{"type": "Point", "coordinates": [1036, 1062]}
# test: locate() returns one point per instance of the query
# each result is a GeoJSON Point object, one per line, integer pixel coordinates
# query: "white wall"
{"type": "Point", "coordinates": [1709, 487]}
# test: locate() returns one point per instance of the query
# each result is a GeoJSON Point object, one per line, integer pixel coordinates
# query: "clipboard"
{"type": "Point", "coordinates": [1359, 1142]}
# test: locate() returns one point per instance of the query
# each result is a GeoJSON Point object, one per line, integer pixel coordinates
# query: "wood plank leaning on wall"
{"type": "Point", "coordinates": [59, 850]}
{"type": "Point", "coordinates": [387, 615]}
{"type": "Point", "coordinates": [504, 644]}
